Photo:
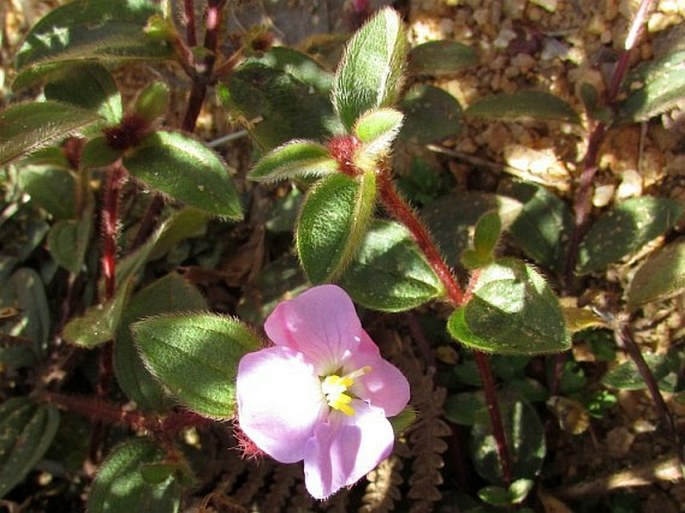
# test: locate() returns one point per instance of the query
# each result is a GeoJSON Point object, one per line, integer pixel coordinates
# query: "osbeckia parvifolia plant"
{"type": "Point", "coordinates": [322, 393]}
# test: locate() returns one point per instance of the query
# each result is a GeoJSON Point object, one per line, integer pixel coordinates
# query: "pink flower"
{"type": "Point", "coordinates": [322, 393]}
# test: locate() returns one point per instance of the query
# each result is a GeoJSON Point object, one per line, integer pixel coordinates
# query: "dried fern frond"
{"type": "Point", "coordinates": [426, 436]}
{"type": "Point", "coordinates": [283, 480]}
{"type": "Point", "coordinates": [339, 503]}
{"type": "Point", "coordinates": [256, 477]}
{"type": "Point", "coordinates": [301, 500]}
{"type": "Point", "coordinates": [383, 489]}
{"type": "Point", "coordinates": [426, 441]}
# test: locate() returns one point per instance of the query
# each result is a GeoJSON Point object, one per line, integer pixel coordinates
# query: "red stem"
{"type": "Point", "coordinates": [399, 208]}
{"type": "Point", "coordinates": [485, 372]}
{"type": "Point", "coordinates": [116, 176]}
{"type": "Point", "coordinates": [110, 211]}
{"type": "Point", "coordinates": [583, 197]}
{"type": "Point", "coordinates": [201, 77]}
{"type": "Point", "coordinates": [189, 11]}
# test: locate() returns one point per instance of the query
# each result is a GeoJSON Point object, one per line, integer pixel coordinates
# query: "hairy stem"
{"type": "Point", "coordinates": [399, 209]}
{"type": "Point", "coordinates": [201, 76]}
{"type": "Point", "coordinates": [116, 176]}
{"type": "Point", "coordinates": [582, 201]}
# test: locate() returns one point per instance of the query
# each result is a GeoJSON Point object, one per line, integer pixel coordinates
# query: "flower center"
{"type": "Point", "coordinates": [335, 387]}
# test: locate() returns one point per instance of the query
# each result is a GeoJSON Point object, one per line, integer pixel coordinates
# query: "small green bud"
{"type": "Point", "coordinates": [153, 101]}
{"type": "Point", "coordinates": [161, 29]}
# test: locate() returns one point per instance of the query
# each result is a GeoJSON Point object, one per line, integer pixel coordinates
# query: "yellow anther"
{"type": "Point", "coordinates": [334, 388]}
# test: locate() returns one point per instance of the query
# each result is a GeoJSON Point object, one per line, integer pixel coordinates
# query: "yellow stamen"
{"type": "Point", "coordinates": [334, 388]}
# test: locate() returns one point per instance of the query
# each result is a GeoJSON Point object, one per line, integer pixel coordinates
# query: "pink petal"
{"type": "Point", "coordinates": [321, 323]}
{"type": "Point", "coordinates": [280, 401]}
{"type": "Point", "coordinates": [385, 386]}
{"type": "Point", "coordinates": [345, 449]}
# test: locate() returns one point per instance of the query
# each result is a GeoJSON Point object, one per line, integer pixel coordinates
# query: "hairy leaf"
{"type": "Point", "coordinates": [389, 273]}
{"type": "Point", "coordinates": [660, 277]}
{"type": "Point", "coordinates": [120, 487]}
{"type": "Point", "coordinates": [440, 58]}
{"type": "Point", "coordinates": [656, 87]}
{"type": "Point", "coordinates": [332, 223]}
{"type": "Point", "coordinates": [89, 86]}
{"type": "Point", "coordinates": [370, 72]}
{"type": "Point", "coordinates": [51, 188]}
{"type": "Point", "coordinates": [195, 356]}
{"type": "Point", "coordinates": [431, 115]}
{"type": "Point", "coordinates": [26, 432]}
{"type": "Point", "coordinates": [26, 127]}
{"type": "Point", "coordinates": [294, 159]}
{"type": "Point", "coordinates": [102, 30]}
{"type": "Point", "coordinates": [169, 294]}
{"type": "Point", "coordinates": [277, 105]}
{"type": "Point", "coordinates": [512, 311]}
{"type": "Point", "coordinates": [624, 229]}
{"type": "Point", "coordinates": [538, 105]}
{"type": "Point", "coordinates": [544, 226]}
{"type": "Point", "coordinates": [186, 170]}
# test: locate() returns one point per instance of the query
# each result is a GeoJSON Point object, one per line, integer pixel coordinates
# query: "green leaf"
{"type": "Point", "coordinates": [183, 224]}
{"type": "Point", "coordinates": [544, 226]}
{"type": "Point", "coordinates": [25, 291]}
{"type": "Point", "coordinates": [27, 127]}
{"type": "Point", "coordinates": [655, 87]}
{"type": "Point", "coordinates": [101, 30]}
{"type": "Point", "coordinates": [153, 101]}
{"type": "Point", "coordinates": [537, 105]}
{"type": "Point", "coordinates": [68, 241]}
{"type": "Point", "coordinates": [53, 189]}
{"type": "Point", "coordinates": [88, 86]}
{"type": "Point", "coordinates": [487, 233]}
{"type": "Point", "coordinates": [464, 408]}
{"type": "Point", "coordinates": [440, 58]}
{"type": "Point", "coordinates": [186, 170]}
{"type": "Point", "coordinates": [195, 355]}
{"type": "Point", "coordinates": [525, 439]}
{"type": "Point", "coordinates": [278, 102]}
{"type": "Point", "coordinates": [169, 294]}
{"type": "Point", "coordinates": [26, 432]}
{"type": "Point", "coordinates": [370, 72]}
{"type": "Point", "coordinates": [485, 239]}
{"type": "Point", "coordinates": [451, 218]}
{"type": "Point", "coordinates": [120, 487]}
{"type": "Point", "coordinates": [376, 129]}
{"type": "Point", "coordinates": [294, 159]}
{"type": "Point", "coordinates": [98, 323]}
{"type": "Point", "coordinates": [624, 229]}
{"type": "Point", "coordinates": [298, 65]}
{"type": "Point", "coordinates": [495, 495]}
{"type": "Point", "coordinates": [431, 115]}
{"type": "Point", "coordinates": [626, 376]}
{"type": "Point", "coordinates": [97, 153]}
{"type": "Point", "coordinates": [332, 223]}
{"type": "Point", "coordinates": [512, 311]}
{"type": "Point", "coordinates": [660, 277]}
{"type": "Point", "coordinates": [390, 273]}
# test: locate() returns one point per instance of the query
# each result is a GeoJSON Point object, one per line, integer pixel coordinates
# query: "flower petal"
{"type": "Point", "coordinates": [321, 323]}
{"type": "Point", "coordinates": [280, 401]}
{"type": "Point", "coordinates": [385, 386]}
{"type": "Point", "coordinates": [345, 449]}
